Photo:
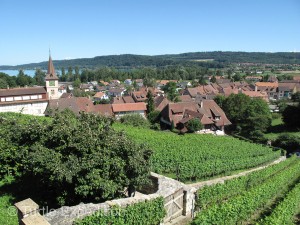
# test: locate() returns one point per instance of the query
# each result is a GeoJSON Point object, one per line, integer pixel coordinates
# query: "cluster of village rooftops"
{"type": "Point", "coordinates": [194, 102]}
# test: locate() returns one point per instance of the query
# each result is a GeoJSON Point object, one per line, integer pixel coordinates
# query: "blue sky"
{"type": "Point", "coordinates": [77, 29]}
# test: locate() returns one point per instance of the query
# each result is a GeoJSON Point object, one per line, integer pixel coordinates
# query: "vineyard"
{"type": "Point", "coordinates": [269, 196]}
{"type": "Point", "coordinates": [192, 157]}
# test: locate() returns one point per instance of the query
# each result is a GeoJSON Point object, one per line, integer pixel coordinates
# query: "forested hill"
{"type": "Point", "coordinates": [216, 59]}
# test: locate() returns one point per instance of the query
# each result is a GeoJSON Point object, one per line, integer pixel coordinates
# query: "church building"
{"type": "Point", "coordinates": [31, 100]}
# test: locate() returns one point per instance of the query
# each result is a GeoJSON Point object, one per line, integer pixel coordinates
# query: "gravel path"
{"type": "Point", "coordinates": [198, 185]}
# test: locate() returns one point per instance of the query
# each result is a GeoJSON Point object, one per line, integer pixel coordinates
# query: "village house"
{"type": "Point", "coordinates": [77, 105]}
{"type": "Point", "coordinates": [99, 88]}
{"type": "Point", "coordinates": [184, 84]}
{"type": "Point", "coordinates": [223, 81]}
{"type": "Point", "coordinates": [120, 110]}
{"type": "Point", "coordinates": [210, 114]}
{"type": "Point", "coordinates": [253, 78]}
{"type": "Point", "coordinates": [128, 82]}
{"type": "Point", "coordinates": [269, 87]}
{"type": "Point", "coordinates": [100, 96]}
{"type": "Point", "coordinates": [160, 102]}
{"type": "Point", "coordinates": [161, 83]}
{"type": "Point", "coordinates": [285, 90]}
{"type": "Point", "coordinates": [202, 90]}
{"type": "Point", "coordinates": [139, 82]}
{"type": "Point", "coordinates": [104, 83]}
{"type": "Point", "coordinates": [62, 89]}
{"type": "Point", "coordinates": [123, 99]}
{"type": "Point", "coordinates": [86, 87]}
{"type": "Point", "coordinates": [66, 95]}
{"type": "Point", "coordinates": [139, 96]}
{"type": "Point", "coordinates": [116, 92]}
{"type": "Point", "coordinates": [30, 100]}
{"type": "Point", "coordinates": [117, 82]}
{"type": "Point", "coordinates": [103, 109]}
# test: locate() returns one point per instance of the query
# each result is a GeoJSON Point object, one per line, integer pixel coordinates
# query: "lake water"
{"type": "Point", "coordinates": [16, 72]}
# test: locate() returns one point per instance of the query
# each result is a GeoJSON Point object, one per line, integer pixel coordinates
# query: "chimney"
{"type": "Point", "coordinates": [7, 86]}
{"type": "Point", "coordinates": [255, 89]}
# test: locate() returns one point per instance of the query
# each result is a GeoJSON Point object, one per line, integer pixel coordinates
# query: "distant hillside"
{"type": "Point", "coordinates": [213, 59]}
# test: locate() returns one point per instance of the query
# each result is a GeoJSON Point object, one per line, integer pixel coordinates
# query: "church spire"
{"type": "Point", "coordinates": [51, 74]}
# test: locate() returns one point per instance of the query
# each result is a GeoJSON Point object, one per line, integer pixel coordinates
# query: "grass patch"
{"type": "Point", "coordinates": [277, 128]}
{"type": "Point", "coordinates": [8, 213]}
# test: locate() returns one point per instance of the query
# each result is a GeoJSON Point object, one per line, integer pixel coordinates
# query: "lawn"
{"type": "Point", "coordinates": [277, 128]}
{"type": "Point", "coordinates": [8, 213]}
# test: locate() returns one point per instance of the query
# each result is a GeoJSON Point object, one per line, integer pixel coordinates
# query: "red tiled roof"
{"type": "Point", "coordinates": [77, 105]}
{"type": "Point", "coordinates": [128, 99]}
{"type": "Point", "coordinates": [118, 100]}
{"type": "Point", "coordinates": [210, 106]}
{"type": "Point", "coordinates": [266, 84]}
{"type": "Point", "coordinates": [66, 95]}
{"type": "Point", "coordinates": [164, 82]}
{"type": "Point", "coordinates": [160, 102]}
{"type": "Point", "coordinates": [103, 82]}
{"type": "Point", "coordinates": [99, 95]}
{"type": "Point", "coordinates": [103, 109]}
{"type": "Point", "coordinates": [185, 98]}
{"type": "Point", "coordinates": [127, 107]}
{"type": "Point", "coordinates": [22, 91]}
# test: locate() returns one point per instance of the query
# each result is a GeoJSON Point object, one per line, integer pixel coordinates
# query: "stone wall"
{"type": "Point", "coordinates": [161, 186]}
{"type": "Point", "coordinates": [33, 108]}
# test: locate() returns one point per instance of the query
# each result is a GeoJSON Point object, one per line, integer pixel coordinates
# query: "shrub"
{"type": "Point", "coordinates": [194, 125]}
{"type": "Point", "coordinates": [135, 120]}
{"type": "Point", "coordinates": [288, 142]}
{"type": "Point", "coordinates": [154, 117]}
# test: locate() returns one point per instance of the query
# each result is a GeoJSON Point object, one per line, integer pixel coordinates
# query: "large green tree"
{"type": "Point", "coordinates": [247, 115]}
{"type": "Point", "coordinates": [171, 90]}
{"type": "Point", "coordinates": [150, 102]}
{"type": "Point", "coordinates": [3, 83]}
{"type": "Point", "coordinates": [290, 116]}
{"type": "Point", "coordinates": [39, 77]}
{"type": "Point", "coordinates": [80, 158]}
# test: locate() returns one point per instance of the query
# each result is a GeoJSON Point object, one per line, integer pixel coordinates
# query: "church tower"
{"type": "Point", "coordinates": [51, 81]}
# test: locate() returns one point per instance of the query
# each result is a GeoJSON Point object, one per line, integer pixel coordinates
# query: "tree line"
{"type": "Point", "coordinates": [214, 59]}
{"type": "Point", "coordinates": [22, 79]}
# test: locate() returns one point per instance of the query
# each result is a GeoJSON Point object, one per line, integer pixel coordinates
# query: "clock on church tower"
{"type": "Point", "coordinates": [51, 83]}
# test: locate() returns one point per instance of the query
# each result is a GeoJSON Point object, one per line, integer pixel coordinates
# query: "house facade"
{"type": "Point", "coordinates": [207, 111]}
{"type": "Point", "coordinates": [31, 100]}
{"type": "Point", "coordinates": [120, 110]}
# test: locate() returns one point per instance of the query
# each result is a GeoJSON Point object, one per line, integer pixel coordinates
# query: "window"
{"type": "Point", "coordinates": [52, 92]}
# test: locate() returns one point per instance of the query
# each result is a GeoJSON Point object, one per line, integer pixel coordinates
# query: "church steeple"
{"type": "Point", "coordinates": [51, 80]}
{"type": "Point", "coordinates": [51, 74]}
